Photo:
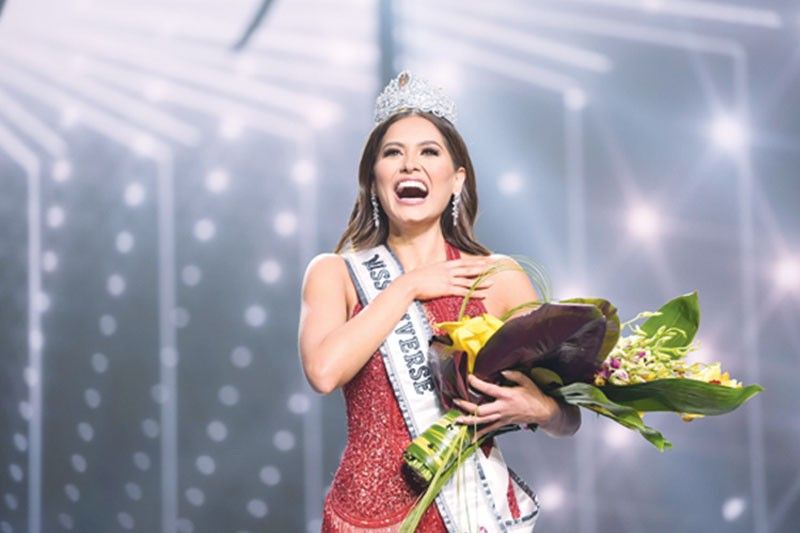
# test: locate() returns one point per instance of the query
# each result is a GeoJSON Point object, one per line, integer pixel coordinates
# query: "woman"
{"type": "Point", "coordinates": [417, 202]}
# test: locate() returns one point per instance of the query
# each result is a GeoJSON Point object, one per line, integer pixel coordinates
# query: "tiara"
{"type": "Point", "coordinates": [410, 92]}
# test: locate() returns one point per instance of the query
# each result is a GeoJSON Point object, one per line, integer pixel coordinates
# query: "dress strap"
{"type": "Point", "coordinates": [452, 251]}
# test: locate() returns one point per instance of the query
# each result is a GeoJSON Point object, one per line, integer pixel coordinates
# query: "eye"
{"type": "Point", "coordinates": [431, 151]}
{"type": "Point", "coordinates": [390, 151]}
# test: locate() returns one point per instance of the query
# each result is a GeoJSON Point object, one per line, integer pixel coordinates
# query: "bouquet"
{"type": "Point", "coordinates": [574, 351]}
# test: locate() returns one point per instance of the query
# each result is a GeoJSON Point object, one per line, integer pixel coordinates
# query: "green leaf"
{"type": "Point", "coordinates": [681, 396]}
{"type": "Point", "coordinates": [591, 397]}
{"type": "Point", "coordinates": [545, 378]}
{"type": "Point", "coordinates": [683, 313]}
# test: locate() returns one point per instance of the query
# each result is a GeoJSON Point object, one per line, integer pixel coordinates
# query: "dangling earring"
{"type": "Point", "coordinates": [456, 203]}
{"type": "Point", "coordinates": [376, 219]}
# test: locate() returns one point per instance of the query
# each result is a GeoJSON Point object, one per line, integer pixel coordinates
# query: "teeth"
{"type": "Point", "coordinates": [409, 184]}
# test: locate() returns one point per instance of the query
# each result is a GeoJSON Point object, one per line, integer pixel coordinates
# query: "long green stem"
{"type": "Point", "coordinates": [454, 458]}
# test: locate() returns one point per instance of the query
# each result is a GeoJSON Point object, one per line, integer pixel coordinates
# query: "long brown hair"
{"type": "Point", "coordinates": [361, 232]}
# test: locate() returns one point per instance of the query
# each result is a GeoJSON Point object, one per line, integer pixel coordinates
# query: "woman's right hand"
{"type": "Point", "coordinates": [448, 278]}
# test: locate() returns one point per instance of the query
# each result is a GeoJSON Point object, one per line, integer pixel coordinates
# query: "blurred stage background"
{"type": "Point", "coordinates": [168, 168]}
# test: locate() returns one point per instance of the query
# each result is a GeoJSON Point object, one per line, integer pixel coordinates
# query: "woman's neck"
{"type": "Point", "coordinates": [414, 251]}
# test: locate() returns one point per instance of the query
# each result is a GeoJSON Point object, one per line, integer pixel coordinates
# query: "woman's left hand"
{"type": "Point", "coordinates": [522, 404]}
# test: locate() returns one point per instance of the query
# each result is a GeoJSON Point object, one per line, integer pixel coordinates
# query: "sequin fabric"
{"type": "Point", "coordinates": [369, 493]}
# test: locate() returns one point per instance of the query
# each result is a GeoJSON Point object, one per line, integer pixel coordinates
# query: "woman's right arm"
{"type": "Point", "coordinates": [332, 348]}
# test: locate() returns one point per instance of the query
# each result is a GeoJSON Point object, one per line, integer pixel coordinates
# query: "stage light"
{"type": "Point", "coordinates": [61, 170]}
{"type": "Point", "coordinates": [155, 90]}
{"type": "Point", "coordinates": [31, 376]}
{"type": "Point", "coordinates": [72, 492]}
{"type": "Point", "coordinates": [304, 172]}
{"type": "Point", "coordinates": [70, 117]}
{"type": "Point", "coordinates": [245, 67]}
{"type": "Point", "coordinates": [255, 316]}
{"type": "Point", "coordinates": [284, 440]}
{"type": "Point", "coordinates": [64, 520]}
{"type": "Point", "coordinates": [728, 133]}
{"type": "Point", "coordinates": [42, 302]}
{"type": "Point", "coordinates": [55, 217]}
{"type": "Point", "coordinates": [299, 403]}
{"type": "Point", "coordinates": [787, 274]}
{"type": "Point", "coordinates": [270, 476]}
{"type": "Point", "coordinates": [733, 508]}
{"type": "Point", "coordinates": [575, 99]}
{"type": "Point", "coordinates": [217, 431]}
{"type": "Point", "coordinates": [617, 437]}
{"type": "Point", "coordinates": [446, 74]}
{"type": "Point", "coordinates": [269, 271]}
{"type": "Point", "coordinates": [124, 242]}
{"type": "Point", "coordinates": [322, 114]}
{"type": "Point", "coordinates": [159, 393]}
{"type": "Point", "coordinates": [652, 5]}
{"type": "Point", "coordinates": [217, 180]}
{"type": "Point", "coordinates": [241, 357]}
{"type": "Point", "coordinates": [169, 357]}
{"type": "Point", "coordinates": [92, 398]}
{"type": "Point", "coordinates": [79, 463]}
{"type": "Point", "coordinates": [134, 194]}
{"type": "Point", "coordinates": [115, 285]}
{"type": "Point", "coordinates": [16, 472]}
{"type": "Point", "coordinates": [141, 461]}
{"type": "Point", "coordinates": [285, 223]}
{"type": "Point", "coordinates": [569, 291]}
{"type": "Point", "coordinates": [228, 395]}
{"type": "Point", "coordinates": [180, 317]}
{"type": "Point", "coordinates": [184, 525]}
{"type": "Point", "coordinates": [144, 145]}
{"type": "Point", "coordinates": [108, 325]}
{"type": "Point", "coordinates": [150, 428]}
{"type": "Point", "coordinates": [552, 496]}
{"type": "Point", "coordinates": [204, 229]}
{"type": "Point", "coordinates": [346, 54]}
{"type": "Point", "coordinates": [231, 128]}
{"type": "Point", "coordinates": [85, 431]}
{"type": "Point", "coordinates": [134, 491]}
{"type": "Point", "coordinates": [191, 275]}
{"type": "Point", "coordinates": [36, 339]}
{"type": "Point", "coordinates": [125, 520]}
{"type": "Point", "coordinates": [510, 183]}
{"type": "Point", "coordinates": [257, 508]}
{"type": "Point", "coordinates": [99, 363]}
{"type": "Point", "coordinates": [49, 261]}
{"type": "Point", "coordinates": [644, 222]}
{"type": "Point", "coordinates": [205, 465]}
{"type": "Point", "coordinates": [195, 496]}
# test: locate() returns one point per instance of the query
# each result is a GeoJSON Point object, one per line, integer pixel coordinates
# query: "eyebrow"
{"type": "Point", "coordinates": [401, 144]}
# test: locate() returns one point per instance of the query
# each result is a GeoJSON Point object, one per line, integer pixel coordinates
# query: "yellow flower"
{"type": "Point", "coordinates": [713, 374]}
{"type": "Point", "coordinates": [470, 334]}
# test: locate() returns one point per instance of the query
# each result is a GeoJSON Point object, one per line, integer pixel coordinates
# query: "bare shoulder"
{"type": "Point", "coordinates": [514, 287]}
{"type": "Point", "coordinates": [327, 272]}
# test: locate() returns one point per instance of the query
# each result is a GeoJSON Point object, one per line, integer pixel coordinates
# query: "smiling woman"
{"type": "Point", "coordinates": [419, 147]}
{"type": "Point", "coordinates": [404, 263]}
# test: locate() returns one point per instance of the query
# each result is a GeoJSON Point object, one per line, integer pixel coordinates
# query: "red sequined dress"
{"type": "Point", "coordinates": [369, 493]}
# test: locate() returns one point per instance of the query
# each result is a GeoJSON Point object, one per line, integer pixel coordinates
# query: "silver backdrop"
{"type": "Point", "coordinates": [167, 169]}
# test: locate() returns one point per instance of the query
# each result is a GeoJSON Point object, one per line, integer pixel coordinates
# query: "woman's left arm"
{"type": "Point", "coordinates": [523, 403]}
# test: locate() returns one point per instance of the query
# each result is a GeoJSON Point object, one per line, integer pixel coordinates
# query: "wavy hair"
{"type": "Point", "coordinates": [361, 232]}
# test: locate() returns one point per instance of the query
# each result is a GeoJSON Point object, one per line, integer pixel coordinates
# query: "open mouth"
{"type": "Point", "coordinates": [411, 191]}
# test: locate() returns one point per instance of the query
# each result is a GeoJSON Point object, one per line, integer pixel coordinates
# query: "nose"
{"type": "Point", "coordinates": [409, 163]}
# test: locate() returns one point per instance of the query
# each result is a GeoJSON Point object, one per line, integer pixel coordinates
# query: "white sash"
{"type": "Point", "coordinates": [475, 498]}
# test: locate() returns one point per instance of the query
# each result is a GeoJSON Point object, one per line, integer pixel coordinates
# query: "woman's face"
{"type": "Point", "coordinates": [414, 172]}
